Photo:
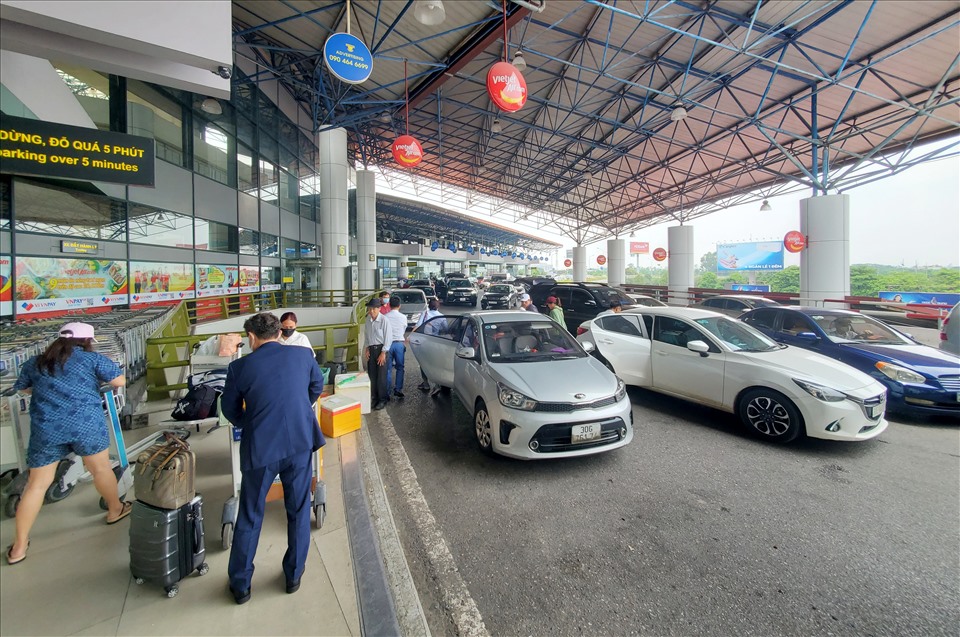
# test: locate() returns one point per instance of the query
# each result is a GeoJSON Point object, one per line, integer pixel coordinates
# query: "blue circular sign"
{"type": "Point", "coordinates": [434, 246]}
{"type": "Point", "coordinates": [470, 250]}
{"type": "Point", "coordinates": [452, 247]}
{"type": "Point", "coordinates": [348, 58]}
{"type": "Point", "coordinates": [483, 250]}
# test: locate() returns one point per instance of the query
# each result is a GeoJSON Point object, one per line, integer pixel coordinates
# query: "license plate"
{"type": "Point", "coordinates": [875, 411]}
{"type": "Point", "coordinates": [583, 433]}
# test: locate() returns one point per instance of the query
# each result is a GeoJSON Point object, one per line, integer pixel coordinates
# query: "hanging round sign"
{"type": "Point", "coordinates": [601, 259]}
{"type": "Point", "coordinates": [794, 241]}
{"type": "Point", "coordinates": [659, 254]}
{"type": "Point", "coordinates": [506, 87]}
{"type": "Point", "coordinates": [452, 247]}
{"type": "Point", "coordinates": [407, 151]}
{"type": "Point", "coordinates": [470, 250]}
{"type": "Point", "coordinates": [567, 263]}
{"type": "Point", "coordinates": [483, 250]}
{"type": "Point", "coordinates": [348, 58]}
{"type": "Point", "coordinates": [434, 246]}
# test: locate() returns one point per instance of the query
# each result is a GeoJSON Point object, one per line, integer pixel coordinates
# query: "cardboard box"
{"type": "Point", "coordinates": [339, 415]}
{"type": "Point", "coordinates": [355, 385]}
{"type": "Point", "coordinates": [276, 489]}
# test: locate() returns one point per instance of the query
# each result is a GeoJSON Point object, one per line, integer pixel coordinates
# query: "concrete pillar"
{"type": "Point", "coordinates": [334, 208]}
{"type": "Point", "coordinates": [825, 262]}
{"type": "Point", "coordinates": [366, 229]}
{"type": "Point", "coordinates": [680, 272]}
{"type": "Point", "coordinates": [580, 263]}
{"type": "Point", "coordinates": [616, 262]}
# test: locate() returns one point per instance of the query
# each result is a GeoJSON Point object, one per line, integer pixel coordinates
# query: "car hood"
{"type": "Point", "coordinates": [497, 294]}
{"type": "Point", "coordinates": [413, 308]}
{"type": "Point", "coordinates": [927, 360]}
{"type": "Point", "coordinates": [558, 380]}
{"type": "Point", "coordinates": [817, 368]}
{"type": "Point", "coordinates": [455, 288]}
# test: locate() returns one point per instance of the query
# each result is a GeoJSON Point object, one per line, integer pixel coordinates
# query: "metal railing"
{"type": "Point", "coordinates": [170, 346]}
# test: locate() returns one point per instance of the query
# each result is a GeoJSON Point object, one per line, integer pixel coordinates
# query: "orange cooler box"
{"type": "Point", "coordinates": [339, 415]}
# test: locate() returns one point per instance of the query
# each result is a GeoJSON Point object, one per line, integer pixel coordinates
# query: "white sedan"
{"type": "Point", "coordinates": [533, 391]}
{"type": "Point", "coordinates": [777, 391]}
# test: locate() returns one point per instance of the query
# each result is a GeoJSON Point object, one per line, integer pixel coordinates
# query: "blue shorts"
{"type": "Point", "coordinates": [41, 454]}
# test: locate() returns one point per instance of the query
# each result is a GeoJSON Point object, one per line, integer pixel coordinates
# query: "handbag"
{"type": "Point", "coordinates": [166, 473]}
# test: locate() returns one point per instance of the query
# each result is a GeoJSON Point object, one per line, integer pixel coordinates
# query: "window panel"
{"type": "Point", "coordinates": [151, 113]}
{"type": "Point", "coordinates": [91, 90]}
{"type": "Point", "coordinates": [249, 241]}
{"type": "Point", "coordinates": [246, 176]}
{"type": "Point", "coordinates": [269, 245]}
{"type": "Point", "coordinates": [155, 226]}
{"type": "Point", "coordinates": [267, 181]}
{"type": "Point", "coordinates": [52, 210]}
{"type": "Point", "coordinates": [218, 237]}
{"type": "Point", "coordinates": [291, 249]}
{"type": "Point", "coordinates": [210, 151]}
{"type": "Point", "coordinates": [289, 187]}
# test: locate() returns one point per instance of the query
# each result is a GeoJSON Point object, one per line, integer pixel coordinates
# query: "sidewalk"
{"type": "Point", "coordinates": [76, 580]}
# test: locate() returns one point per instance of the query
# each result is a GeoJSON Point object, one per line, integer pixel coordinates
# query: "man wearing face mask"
{"type": "Point", "coordinates": [289, 334]}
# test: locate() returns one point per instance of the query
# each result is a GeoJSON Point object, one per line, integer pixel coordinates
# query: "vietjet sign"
{"type": "Point", "coordinates": [506, 87]}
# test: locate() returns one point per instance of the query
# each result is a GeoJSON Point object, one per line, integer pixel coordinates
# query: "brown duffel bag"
{"type": "Point", "coordinates": [164, 477]}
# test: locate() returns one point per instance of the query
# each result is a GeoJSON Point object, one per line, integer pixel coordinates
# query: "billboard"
{"type": "Point", "coordinates": [6, 289]}
{"type": "Point", "coordinates": [217, 280]}
{"type": "Point", "coordinates": [931, 298]}
{"type": "Point", "coordinates": [48, 285]}
{"type": "Point", "coordinates": [752, 255]}
{"type": "Point", "coordinates": [746, 287]}
{"type": "Point", "coordinates": [639, 247]}
{"type": "Point", "coordinates": [155, 282]}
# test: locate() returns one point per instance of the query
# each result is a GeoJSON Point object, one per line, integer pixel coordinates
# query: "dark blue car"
{"type": "Point", "coordinates": [920, 380]}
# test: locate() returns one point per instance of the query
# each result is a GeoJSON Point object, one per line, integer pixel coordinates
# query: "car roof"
{"type": "Point", "coordinates": [684, 312]}
{"type": "Point", "coordinates": [509, 316]}
{"type": "Point", "coordinates": [807, 309]}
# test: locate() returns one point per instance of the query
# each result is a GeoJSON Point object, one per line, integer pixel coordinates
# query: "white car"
{"type": "Point", "coordinates": [532, 390]}
{"type": "Point", "coordinates": [779, 392]}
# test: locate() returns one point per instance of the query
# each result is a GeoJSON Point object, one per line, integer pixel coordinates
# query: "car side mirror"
{"type": "Point", "coordinates": [467, 352]}
{"type": "Point", "coordinates": [590, 303]}
{"type": "Point", "coordinates": [809, 337]}
{"type": "Point", "coordinates": [588, 346]}
{"type": "Point", "coordinates": [698, 346]}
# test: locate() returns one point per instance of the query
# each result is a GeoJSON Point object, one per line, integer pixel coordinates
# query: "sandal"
{"type": "Point", "coordinates": [127, 508]}
{"type": "Point", "coordinates": [13, 561]}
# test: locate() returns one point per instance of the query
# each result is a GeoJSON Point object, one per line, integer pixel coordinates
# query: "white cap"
{"type": "Point", "coordinates": [77, 330]}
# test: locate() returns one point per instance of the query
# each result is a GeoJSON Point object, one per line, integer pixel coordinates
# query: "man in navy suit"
{"type": "Point", "coordinates": [269, 396]}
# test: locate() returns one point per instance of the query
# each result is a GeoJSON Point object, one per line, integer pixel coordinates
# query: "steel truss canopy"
{"type": "Point", "coordinates": [778, 95]}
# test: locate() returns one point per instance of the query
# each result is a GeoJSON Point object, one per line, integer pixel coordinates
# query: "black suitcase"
{"type": "Point", "coordinates": [167, 544]}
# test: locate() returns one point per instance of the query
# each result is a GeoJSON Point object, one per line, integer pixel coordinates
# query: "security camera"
{"type": "Point", "coordinates": [224, 72]}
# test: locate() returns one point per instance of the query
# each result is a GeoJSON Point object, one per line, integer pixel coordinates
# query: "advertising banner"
{"type": "Point", "coordinates": [154, 282]}
{"type": "Point", "coordinates": [6, 285]}
{"type": "Point", "coordinates": [752, 255]}
{"type": "Point", "coordinates": [48, 285]}
{"type": "Point", "coordinates": [217, 280]}
{"type": "Point", "coordinates": [266, 278]}
{"type": "Point", "coordinates": [249, 278]}
{"type": "Point", "coordinates": [639, 247]}
{"type": "Point", "coordinates": [930, 298]}
{"type": "Point", "coordinates": [746, 287]}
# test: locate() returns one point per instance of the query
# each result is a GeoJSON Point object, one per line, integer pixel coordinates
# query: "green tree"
{"type": "Point", "coordinates": [786, 280]}
{"type": "Point", "coordinates": [708, 280]}
{"type": "Point", "coordinates": [708, 262]}
{"type": "Point", "coordinates": [945, 280]}
{"type": "Point", "coordinates": [864, 280]}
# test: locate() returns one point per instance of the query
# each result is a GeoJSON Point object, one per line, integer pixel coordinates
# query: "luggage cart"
{"type": "Point", "coordinates": [318, 490]}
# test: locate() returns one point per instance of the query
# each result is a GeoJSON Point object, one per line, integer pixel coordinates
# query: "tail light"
{"type": "Point", "coordinates": [581, 330]}
{"type": "Point", "coordinates": [943, 329]}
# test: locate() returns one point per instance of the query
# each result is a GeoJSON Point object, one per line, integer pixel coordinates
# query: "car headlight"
{"type": "Point", "coordinates": [514, 399]}
{"type": "Point", "coordinates": [621, 390]}
{"type": "Point", "coordinates": [899, 374]}
{"type": "Point", "coordinates": [821, 392]}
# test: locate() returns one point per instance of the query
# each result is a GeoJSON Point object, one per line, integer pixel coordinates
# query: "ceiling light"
{"type": "Point", "coordinates": [495, 127]}
{"type": "Point", "coordinates": [386, 117]}
{"type": "Point", "coordinates": [429, 12]}
{"type": "Point", "coordinates": [211, 106]}
{"type": "Point", "coordinates": [518, 62]}
{"type": "Point", "coordinates": [678, 114]}
{"type": "Point", "coordinates": [765, 206]}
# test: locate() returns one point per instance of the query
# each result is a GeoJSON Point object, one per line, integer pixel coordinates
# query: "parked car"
{"type": "Point", "coordinates": [413, 303]}
{"type": "Point", "coordinates": [734, 304]}
{"type": "Point", "coordinates": [528, 282]}
{"type": "Point", "coordinates": [500, 295]}
{"type": "Point", "coordinates": [427, 290]}
{"type": "Point", "coordinates": [950, 332]}
{"type": "Point", "coordinates": [421, 283]}
{"type": "Point", "coordinates": [919, 379]}
{"type": "Point", "coordinates": [579, 301]}
{"type": "Point", "coordinates": [460, 291]}
{"type": "Point", "coordinates": [645, 300]}
{"type": "Point", "coordinates": [778, 392]}
{"type": "Point", "coordinates": [532, 390]}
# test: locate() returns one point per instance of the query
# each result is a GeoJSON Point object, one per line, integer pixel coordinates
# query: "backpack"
{"type": "Point", "coordinates": [199, 403]}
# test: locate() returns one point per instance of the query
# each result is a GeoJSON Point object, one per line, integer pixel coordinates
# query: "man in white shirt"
{"type": "Point", "coordinates": [398, 327]}
{"type": "Point", "coordinates": [376, 338]}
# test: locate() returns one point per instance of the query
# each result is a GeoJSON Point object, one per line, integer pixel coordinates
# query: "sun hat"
{"type": "Point", "coordinates": [77, 330]}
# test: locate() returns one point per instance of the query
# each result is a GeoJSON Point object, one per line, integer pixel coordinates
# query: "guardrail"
{"type": "Point", "coordinates": [170, 346]}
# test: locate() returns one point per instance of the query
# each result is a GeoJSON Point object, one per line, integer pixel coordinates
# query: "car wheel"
{"type": "Point", "coordinates": [482, 428]}
{"type": "Point", "coordinates": [770, 414]}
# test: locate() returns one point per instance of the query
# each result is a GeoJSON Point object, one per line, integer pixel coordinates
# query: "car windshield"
{"type": "Point", "coordinates": [736, 335]}
{"type": "Point", "coordinates": [528, 341]}
{"type": "Point", "coordinates": [410, 297]}
{"type": "Point", "coordinates": [420, 283]}
{"type": "Point", "coordinates": [609, 294]}
{"type": "Point", "coordinates": [459, 283]}
{"type": "Point", "coordinates": [501, 289]}
{"type": "Point", "coordinates": [857, 328]}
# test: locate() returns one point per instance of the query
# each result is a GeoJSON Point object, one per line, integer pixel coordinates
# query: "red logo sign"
{"type": "Point", "coordinates": [567, 263]}
{"type": "Point", "coordinates": [794, 241]}
{"type": "Point", "coordinates": [659, 254]}
{"type": "Point", "coordinates": [407, 151]}
{"type": "Point", "coordinates": [601, 259]}
{"type": "Point", "coordinates": [506, 87]}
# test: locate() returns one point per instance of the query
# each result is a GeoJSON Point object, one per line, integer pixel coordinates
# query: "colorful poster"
{"type": "Point", "coordinates": [746, 287]}
{"type": "Point", "coordinates": [266, 280]}
{"type": "Point", "coordinates": [926, 298]}
{"type": "Point", "coordinates": [48, 285]}
{"type": "Point", "coordinates": [217, 280]}
{"type": "Point", "coordinates": [639, 247]}
{"type": "Point", "coordinates": [6, 285]}
{"type": "Point", "coordinates": [752, 255]}
{"type": "Point", "coordinates": [155, 282]}
{"type": "Point", "coordinates": [249, 278]}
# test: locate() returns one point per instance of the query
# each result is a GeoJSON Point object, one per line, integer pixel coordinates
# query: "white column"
{"type": "Point", "coordinates": [334, 208]}
{"type": "Point", "coordinates": [616, 262]}
{"type": "Point", "coordinates": [580, 263]}
{"type": "Point", "coordinates": [680, 273]}
{"type": "Point", "coordinates": [825, 262]}
{"type": "Point", "coordinates": [366, 229]}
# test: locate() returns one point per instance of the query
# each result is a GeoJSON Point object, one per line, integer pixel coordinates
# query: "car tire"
{"type": "Point", "coordinates": [482, 428]}
{"type": "Point", "coordinates": [770, 415]}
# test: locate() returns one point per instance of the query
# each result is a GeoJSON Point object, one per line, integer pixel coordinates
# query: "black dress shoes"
{"type": "Point", "coordinates": [293, 586]}
{"type": "Point", "coordinates": [379, 405]}
{"type": "Point", "coordinates": [241, 597]}
{"type": "Point", "coordinates": [398, 393]}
